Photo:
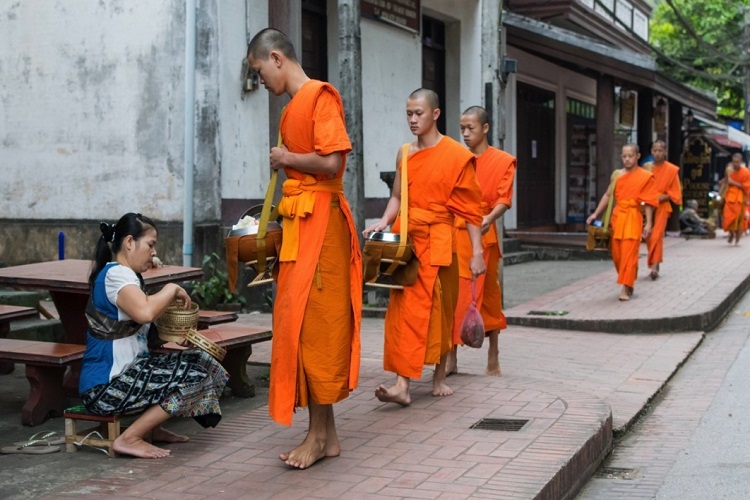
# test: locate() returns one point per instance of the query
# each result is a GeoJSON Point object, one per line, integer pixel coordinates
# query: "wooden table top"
{"type": "Point", "coordinates": [8, 313]}
{"type": "Point", "coordinates": [71, 275]}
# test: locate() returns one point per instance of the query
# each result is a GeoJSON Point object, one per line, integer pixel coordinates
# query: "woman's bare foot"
{"type": "Point", "coordinates": [137, 447]}
{"type": "Point", "coordinates": [310, 451]}
{"type": "Point", "coordinates": [395, 394]}
{"type": "Point", "coordinates": [162, 435]}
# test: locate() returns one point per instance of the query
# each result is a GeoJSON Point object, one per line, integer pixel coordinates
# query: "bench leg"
{"type": "Point", "coordinates": [70, 434]}
{"type": "Point", "coordinates": [45, 395]}
{"type": "Point", "coordinates": [6, 366]}
{"type": "Point", "coordinates": [235, 362]}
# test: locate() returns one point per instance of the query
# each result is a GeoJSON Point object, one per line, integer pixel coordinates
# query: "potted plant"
{"type": "Point", "coordinates": [212, 292]}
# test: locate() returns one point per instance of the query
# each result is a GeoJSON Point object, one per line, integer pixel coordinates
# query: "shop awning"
{"type": "Point", "coordinates": [724, 134]}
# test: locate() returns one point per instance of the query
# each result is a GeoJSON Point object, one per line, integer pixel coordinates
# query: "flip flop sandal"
{"type": "Point", "coordinates": [29, 450]}
{"type": "Point", "coordinates": [43, 438]}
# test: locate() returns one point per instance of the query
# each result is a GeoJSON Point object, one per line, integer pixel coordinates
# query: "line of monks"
{"type": "Point", "coordinates": [455, 195]}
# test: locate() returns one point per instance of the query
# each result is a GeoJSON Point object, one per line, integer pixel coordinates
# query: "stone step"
{"type": "Point", "coordinates": [511, 245]}
{"type": "Point", "coordinates": [520, 257]}
{"type": "Point", "coordinates": [16, 298]}
{"type": "Point", "coordinates": [43, 330]}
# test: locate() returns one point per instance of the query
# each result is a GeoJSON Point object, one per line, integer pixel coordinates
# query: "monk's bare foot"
{"type": "Point", "coordinates": [451, 366]}
{"type": "Point", "coordinates": [625, 294]}
{"type": "Point", "coordinates": [162, 435]}
{"type": "Point", "coordinates": [393, 394]}
{"type": "Point", "coordinates": [731, 237]}
{"type": "Point", "coordinates": [137, 447]}
{"type": "Point", "coordinates": [310, 451]}
{"type": "Point", "coordinates": [439, 389]}
{"type": "Point", "coordinates": [493, 365]}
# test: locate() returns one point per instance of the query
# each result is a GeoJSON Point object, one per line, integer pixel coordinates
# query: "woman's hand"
{"type": "Point", "coordinates": [182, 295]}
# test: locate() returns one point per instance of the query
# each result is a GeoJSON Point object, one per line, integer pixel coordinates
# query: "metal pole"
{"type": "Point", "coordinates": [187, 209]}
{"type": "Point", "coordinates": [350, 76]}
{"type": "Point", "coordinates": [746, 83]}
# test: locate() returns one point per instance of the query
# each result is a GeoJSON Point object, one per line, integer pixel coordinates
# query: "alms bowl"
{"type": "Point", "coordinates": [386, 237]}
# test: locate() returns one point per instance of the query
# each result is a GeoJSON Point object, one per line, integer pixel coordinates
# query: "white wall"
{"type": "Point", "coordinates": [92, 109]}
{"type": "Point", "coordinates": [244, 117]}
{"type": "Point", "coordinates": [391, 69]}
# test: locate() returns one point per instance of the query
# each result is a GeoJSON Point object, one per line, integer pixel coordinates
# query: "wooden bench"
{"type": "Point", "coordinates": [209, 319]}
{"type": "Point", "coordinates": [46, 363]}
{"type": "Point", "coordinates": [7, 314]}
{"type": "Point", "coordinates": [238, 340]}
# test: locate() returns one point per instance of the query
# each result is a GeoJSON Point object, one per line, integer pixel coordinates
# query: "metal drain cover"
{"type": "Point", "coordinates": [547, 313]}
{"type": "Point", "coordinates": [617, 473]}
{"type": "Point", "coordinates": [499, 424]}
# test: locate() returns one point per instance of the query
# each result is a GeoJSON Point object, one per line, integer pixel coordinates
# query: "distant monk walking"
{"type": "Point", "coordinates": [667, 185]}
{"type": "Point", "coordinates": [737, 184]}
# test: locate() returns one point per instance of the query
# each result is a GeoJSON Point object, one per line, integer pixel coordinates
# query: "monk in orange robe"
{"type": "Point", "coordinates": [667, 185]}
{"type": "Point", "coordinates": [737, 185]}
{"type": "Point", "coordinates": [317, 312]}
{"type": "Point", "coordinates": [442, 184]}
{"type": "Point", "coordinates": [631, 187]}
{"type": "Point", "coordinates": [495, 172]}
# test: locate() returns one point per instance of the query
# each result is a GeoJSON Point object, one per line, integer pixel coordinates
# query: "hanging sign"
{"type": "Point", "coordinates": [402, 13]}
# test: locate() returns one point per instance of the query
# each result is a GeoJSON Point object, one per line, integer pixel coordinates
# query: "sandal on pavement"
{"type": "Point", "coordinates": [43, 438]}
{"type": "Point", "coordinates": [29, 449]}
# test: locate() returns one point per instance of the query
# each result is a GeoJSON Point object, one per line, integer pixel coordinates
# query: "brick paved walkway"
{"type": "Point", "coordinates": [565, 383]}
{"type": "Point", "coordinates": [700, 280]}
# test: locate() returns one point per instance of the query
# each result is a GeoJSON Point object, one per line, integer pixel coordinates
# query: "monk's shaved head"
{"type": "Point", "coordinates": [634, 146]}
{"type": "Point", "coordinates": [268, 40]}
{"type": "Point", "coordinates": [480, 113]}
{"type": "Point", "coordinates": [430, 96]}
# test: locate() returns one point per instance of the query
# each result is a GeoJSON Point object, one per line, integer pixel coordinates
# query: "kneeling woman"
{"type": "Point", "coordinates": [119, 375]}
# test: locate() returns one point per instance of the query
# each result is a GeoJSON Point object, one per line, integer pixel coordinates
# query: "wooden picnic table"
{"type": "Point", "coordinates": [10, 313]}
{"type": "Point", "coordinates": [67, 282]}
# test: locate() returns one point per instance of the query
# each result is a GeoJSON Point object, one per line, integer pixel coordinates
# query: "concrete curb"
{"type": "Point", "coordinates": [705, 321]}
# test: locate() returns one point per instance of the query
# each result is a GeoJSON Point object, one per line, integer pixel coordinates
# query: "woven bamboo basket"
{"type": "Point", "coordinates": [177, 321]}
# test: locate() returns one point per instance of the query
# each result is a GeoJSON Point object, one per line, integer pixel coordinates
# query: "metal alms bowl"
{"type": "Point", "coordinates": [254, 212]}
{"type": "Point", "coordinates": [244, 231]}
{"type": "Point", "coordinates": [386, 237]}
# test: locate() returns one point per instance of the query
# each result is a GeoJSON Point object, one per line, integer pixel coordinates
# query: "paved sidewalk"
{"type": "Point", "coordinates": [700, 281]}
{"type": "Point", "coordinates": [574, 387]}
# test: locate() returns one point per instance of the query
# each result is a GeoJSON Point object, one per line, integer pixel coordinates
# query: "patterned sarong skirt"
{"type": "Point", "coordinates": [184, 384]}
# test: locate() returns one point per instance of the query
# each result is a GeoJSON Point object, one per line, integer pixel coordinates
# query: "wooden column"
{"type": "Point", "coordinates": [645, 121]}
{"type": "Point", "coordinates": [350, 87]}
{"type": "Point", "coordinates": [286, 16]}
{"type": "Point", "coordinates": [605, 132]}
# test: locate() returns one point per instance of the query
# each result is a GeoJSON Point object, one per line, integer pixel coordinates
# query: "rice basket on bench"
{"type": "Point", "coordinates": [177, 324]}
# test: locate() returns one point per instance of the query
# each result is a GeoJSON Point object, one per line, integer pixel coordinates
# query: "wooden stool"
{"type": "Point", "coordinates": [108, 427]}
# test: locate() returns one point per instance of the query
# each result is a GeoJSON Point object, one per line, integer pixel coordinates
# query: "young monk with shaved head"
{"type": "Point", "coordinates": [495, 172]}
{"type": "Point", "coordinates": [667, 185]}
{"type": "Point", "coordinates": [442, 185]}
{"type": "Point", "coordinates": [318, 306]}
{"type": "Point", "coordinates": [631, 186]}
{"type": "Point", "coordinates": [737, 184]}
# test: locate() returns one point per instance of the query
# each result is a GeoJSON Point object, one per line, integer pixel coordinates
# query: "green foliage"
{"type": "Point", "coordinates": [717, 68]}
{"type": "Point", "coordinates": [214, 288]}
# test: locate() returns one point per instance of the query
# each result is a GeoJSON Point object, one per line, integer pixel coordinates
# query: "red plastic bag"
{"type": "Point", "coordinates": [472, 327]}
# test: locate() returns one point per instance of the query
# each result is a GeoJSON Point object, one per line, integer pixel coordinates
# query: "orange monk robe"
{"type": "Point", "coordinates": [318, 305]}
{"type": "Point", "coordinates": [631, 189]}
{"type": "Point", "coordinates": [666, 181]}
{"type": "Point", "coordinates": [733, 215]}
{"type": "Point", "coordinates": [419, 319]}
{"type": "Point", "coordinates": [495, 172]}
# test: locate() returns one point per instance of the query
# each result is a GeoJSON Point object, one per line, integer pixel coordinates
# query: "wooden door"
{"type": "Point", "coordinates": [535, 177]}
{"type": "Point", "coordinates": [314, 50]}
{"type": "Point", "coordinates": [433, 62]}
